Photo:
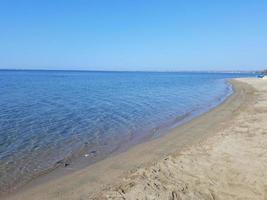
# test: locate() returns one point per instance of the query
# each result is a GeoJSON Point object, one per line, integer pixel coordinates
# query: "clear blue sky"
{"type": "Point", "coordinates": [133, 34]}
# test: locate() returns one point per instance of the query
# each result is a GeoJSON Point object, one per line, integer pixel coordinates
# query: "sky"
{"type": "Point", "coordinates": [133, 35]}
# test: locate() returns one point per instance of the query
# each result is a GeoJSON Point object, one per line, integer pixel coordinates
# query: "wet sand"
{"type": "Point", "coordinates": [220, 155]}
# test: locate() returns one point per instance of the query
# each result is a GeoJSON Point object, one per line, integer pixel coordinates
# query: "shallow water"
{"type": "Point", "coordinates": [49, 117]}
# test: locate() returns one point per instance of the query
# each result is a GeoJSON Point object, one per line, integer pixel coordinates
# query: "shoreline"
{"type": "Point", "coordinates": [140, 155]}
{"type": "Point", "coordinates": [231, 164]}
{"type": "Point", "coordinates": [75, 141]}
{"type": "Point", "coordinates": [82, 158]}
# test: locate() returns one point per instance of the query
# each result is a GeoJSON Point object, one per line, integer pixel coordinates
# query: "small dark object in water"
{"type": "Point", "coordinates": [93, 152]}
{"type": "Point", "coordinates": [62, 162]}
{"type": "Point", "coordinates": [66, 164]}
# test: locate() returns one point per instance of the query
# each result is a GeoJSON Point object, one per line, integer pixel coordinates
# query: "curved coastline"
{"type": "Point", "coordinates": [91, 178]}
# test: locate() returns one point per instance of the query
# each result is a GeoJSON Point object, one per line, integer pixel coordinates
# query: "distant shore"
{"type": "Point", "coordinates": [105, 177]}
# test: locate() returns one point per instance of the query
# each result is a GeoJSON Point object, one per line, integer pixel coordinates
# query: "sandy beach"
{"type": "Point", "coordinates": [219, 155]}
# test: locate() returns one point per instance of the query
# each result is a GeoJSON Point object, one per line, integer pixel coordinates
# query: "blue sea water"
{"type": "Point", "coordinates": [49, 117]}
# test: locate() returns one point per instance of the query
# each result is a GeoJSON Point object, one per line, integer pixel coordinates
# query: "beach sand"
{"type": "Point", "coordinates": [220, 155]}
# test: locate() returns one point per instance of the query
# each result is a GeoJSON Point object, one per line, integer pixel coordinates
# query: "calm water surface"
{"type": "Point", "coordinates": [49, 117]}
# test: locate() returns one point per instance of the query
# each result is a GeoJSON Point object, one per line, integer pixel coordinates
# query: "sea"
{"type": "Point", "coordinates": [56, 119]}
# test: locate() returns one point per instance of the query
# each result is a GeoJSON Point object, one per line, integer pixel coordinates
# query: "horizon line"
{"type": "Point", "coordinates": [166, 71]}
